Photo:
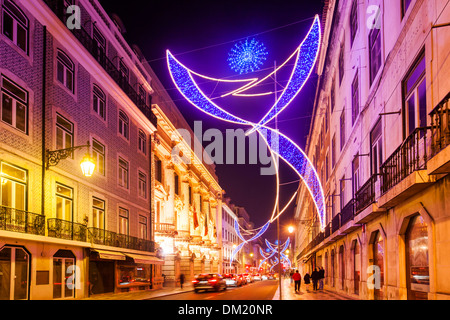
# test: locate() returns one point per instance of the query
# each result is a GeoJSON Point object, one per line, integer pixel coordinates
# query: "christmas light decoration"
{"type": "Point", "coordinates": [247, 56]}
{"type": "Point", "coordinates": [278, 144]}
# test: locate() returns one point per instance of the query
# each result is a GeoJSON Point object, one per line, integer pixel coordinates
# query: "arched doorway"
{"type": "Point", "coordinates": [14, 273]}
{"type": "Point", "coordinates": [378, 261]}
{"type": "Point", "coordinates": [332, 268]}
{"type": "Point", "coordinates": [342, 266]}
{"type": "Point", "coordinates": [356, 266]}
{"type": "Point", "coordinates": [417, 261]}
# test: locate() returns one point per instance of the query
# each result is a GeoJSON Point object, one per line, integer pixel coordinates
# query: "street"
{"type": "Point", "coordinates": [259, 290]}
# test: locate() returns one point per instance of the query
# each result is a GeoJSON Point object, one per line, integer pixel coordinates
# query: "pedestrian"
{"type": "Point", "coordinates": [181, 280]}
{"type": "Point", "coordinates": [321, 277]}
{"type": "Point", "coordinates": [306, 278]}
{"type": "Point", "coordinates": [298, 280]}
{"type": "Point", "coordinates": [315, 278]}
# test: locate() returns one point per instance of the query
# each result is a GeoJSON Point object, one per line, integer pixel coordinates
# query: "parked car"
{"type": "Point", "coordinates": [209, 281]}
{"type": "Point", "coordinates": [271, 277]}
{"type": "Point", "coordinates": [248, 277]}
{"type": "Point", "coordinates": [257, 277]}
{"type": "Point", "coordinates": [243, 278]}
{"type": "Point", "coordinates": [264, 277]}
{"type": "Point", "coordinates": [233, 280]}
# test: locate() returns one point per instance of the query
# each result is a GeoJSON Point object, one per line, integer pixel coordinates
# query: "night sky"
{"type": "Point", "coordinates": [201, 34]}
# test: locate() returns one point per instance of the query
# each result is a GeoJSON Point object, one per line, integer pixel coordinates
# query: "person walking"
{"type": "Point", "coordinates": [315, 278]}
{"type": "Point", "coordinates": [297, 280]}
{"type": "Point", "coordinates": [181, 280]}
{"type": "Point", "coordinates": [321, 277]}
{"type": "Point", "coordinates": [307, 278]}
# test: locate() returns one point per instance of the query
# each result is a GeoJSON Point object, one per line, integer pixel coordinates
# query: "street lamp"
{"type": "Point", "coordinates": [291, 229]}
{"type": "Point", "coordinates": [87, 164]}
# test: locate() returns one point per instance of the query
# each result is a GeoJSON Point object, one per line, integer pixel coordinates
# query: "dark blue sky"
{"type": "Point", "coordinates": [201, 34]}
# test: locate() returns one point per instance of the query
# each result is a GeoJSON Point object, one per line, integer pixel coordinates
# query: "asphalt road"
{"type": "Point", "coordinates": [259, 290]}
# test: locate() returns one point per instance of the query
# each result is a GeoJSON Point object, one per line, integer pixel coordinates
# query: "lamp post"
{"type": "Point", "coordinates": [54, 157]}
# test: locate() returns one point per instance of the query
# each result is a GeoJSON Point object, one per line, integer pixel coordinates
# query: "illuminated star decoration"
{"type": "Point", "coordinates": [247, 56]}
{"type": "Point", "coordinates": [278, 144]}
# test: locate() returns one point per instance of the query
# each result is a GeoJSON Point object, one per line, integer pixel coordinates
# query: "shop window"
{"type": "Point", "coordinates": [134, 275]}
{"type": "Point", "coordinates": [417, 260]}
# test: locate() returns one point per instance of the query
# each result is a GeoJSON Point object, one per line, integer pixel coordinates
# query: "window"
{"type": "Point", "coordinates": [64, 202]}
{"type": "Point", "coordinates": [142, 185]}
{"type": "Point", "coordinates": [356, 266]}
{"type": "Point", "coordinates": [190, 195]}
{"type": "Point", "coordinates": [99, 102]}
{"type": "Point", "coordinates": [99, 44]}
{"type": "Point", "coordinates": [124, 125]}
{"type": "Point", "coordinates": [177, 184]}
{"type": "Point", "coordinates": [142, 227]}
{"type": "Point", "coordinates": [342, 188]}
{"type": "Point", "coordinates": [142, 94]}
{"type": "Point", "coordinates": [333, 152]}
{"type": "Point", "coordinates": [123, 173]}
{"type": "Point", "coordinates": [342, 124]}
{"type": "Point", "coordinates": [123, 221]}
{"type": "Point", "coordinates": [333, 95]}
{"type": "Point", "coordinates": [405, 6]}
{"type": "Point", "coordinates": [13, 187]}
{"type": "Point", "coordinates": [98, 154]}
{"type": "Point", "coordinates": [376, 152]}
{"type": "Point", "coordinates": [65, 70]}
{"type": "Point", "coordinates": [124, 72]}
{"type": "Point", "coordinates": [142, 142]}
{"type": "Point", "coordinates": [64, 133]}
{"type": "Point", "coordinates": [374, 51]}
{"type": "Point", "coordinates": [98, 213]}
{"type": "Point", "coordinates": [14, 105]}
{"type": "Point", "coordinates": [15, 25]}
{"type": "Point", "coordinates": [415, 98]}
{"type": "Point", "coordinates": [327, 165]}
{"type": "Point", "coordinates": [355, 177]}
{"type": "Point", "coordinates": [353, 22]}
{"type": "Point", "coordinates": [158, 169]}
{"type": "Point", "coordinates": [341, 63]}
{"type": "Point", "coordinates": [355, 99]}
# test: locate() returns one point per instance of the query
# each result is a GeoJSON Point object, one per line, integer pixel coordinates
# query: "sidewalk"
{"type": "Point", "coordinates": [141, 295]}
{"type": "Point", "coordinates": [288, 292]}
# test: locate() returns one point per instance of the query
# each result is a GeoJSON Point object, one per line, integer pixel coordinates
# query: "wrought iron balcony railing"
{"type": "Point", "coordinates": [109, 238]}
{"type": "Point", "coordinates": [411, 156]}
{"type": "Point", "coordinates": [21, 221]}
{"type": "Point", "coordinates": [336, 223]}
{"type": "Point", "coordinates": [365, 196]}
{"type": "Point", "coordinates": [348, 212]}
{"type": "Point", "coordinates": [68, 230]}
{"type": "Point", "coordinates": [440, 126]}
{"type": "Point", "coordinates": [57, 6]}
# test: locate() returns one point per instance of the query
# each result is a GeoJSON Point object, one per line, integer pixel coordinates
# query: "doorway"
{"type": "Point", "coordinates": [14, 273]}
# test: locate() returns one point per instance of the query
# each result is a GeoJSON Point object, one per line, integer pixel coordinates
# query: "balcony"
{"type": "Point", "coordinates": [348, 212]}
{"type": "Point", "coordinates": [165, 228]}
{"type": "Point", "coordinates": [439, 162]}
{"type": "Point", "coordinates": [57, 6]}
{"type": "Point", "coordinates": [21, 221]}
{"type": "Point", "coordinates": [112, 239]}
{"type": "Point", "coordinates": [335, 223]}
{"type": "Point", "coordinates": [405, 172]}
{"type": "Point", "coordinates": [365, 196]}
{"type": "Point", "coordinates": [67, 230]}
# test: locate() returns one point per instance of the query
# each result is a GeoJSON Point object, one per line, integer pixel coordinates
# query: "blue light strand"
{"type": "Point", "coordinates": [247, 56]}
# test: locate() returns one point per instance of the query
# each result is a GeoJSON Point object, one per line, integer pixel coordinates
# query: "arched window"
{"type": "Point", "coordinates": [99, 102]}
{"type": "Point", "coordinates": [15, 25]}
{"type": "Point", "coordinates": [65, 70]}
{"type": "Point", "coordinates": [124, 125]}
{"type": "Point", "coordinates": [417, 262]}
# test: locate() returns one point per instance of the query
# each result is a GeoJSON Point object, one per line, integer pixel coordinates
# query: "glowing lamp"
{"type": "Point", "coordinates": [87, 165]}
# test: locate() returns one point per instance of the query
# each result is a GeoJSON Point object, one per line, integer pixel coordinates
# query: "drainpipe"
{"type": "Point", "coordinates": [44, 88]}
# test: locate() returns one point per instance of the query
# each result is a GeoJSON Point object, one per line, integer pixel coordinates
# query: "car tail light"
{"type": "Point", "coordinates": [195, 281]}
{"type": "Point", "coordinates": [212, 281]}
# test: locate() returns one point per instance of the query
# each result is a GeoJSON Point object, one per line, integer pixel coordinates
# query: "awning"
{"type": "Point", "coordinates": [110, 255]}
{"type": "Point", "coordinates": [138, 258]}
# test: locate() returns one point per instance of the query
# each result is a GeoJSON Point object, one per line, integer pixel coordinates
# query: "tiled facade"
{"type": "Point", "coordinates": [379, 141]}
{"type": "Point", "coordinates": [102, 224]}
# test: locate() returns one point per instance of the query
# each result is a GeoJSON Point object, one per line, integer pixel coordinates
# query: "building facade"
{"type": "Point", "coordinates": [379, 140]}
{"type": "Point", "coordinates": [187, 197]}
{"type": "Point", "coordinates": [69, 89]}
{"type": "Point", "coordinates": [230, 239]}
